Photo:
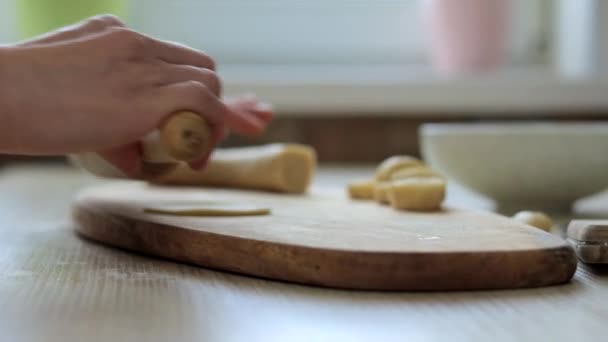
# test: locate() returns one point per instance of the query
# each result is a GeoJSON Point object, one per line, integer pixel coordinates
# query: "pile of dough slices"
{"type": "Point", "coordinates": [405, 183]}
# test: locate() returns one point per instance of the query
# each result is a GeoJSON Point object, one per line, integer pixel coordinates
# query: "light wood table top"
{"type": "Point", "coordinates": [55, 286]}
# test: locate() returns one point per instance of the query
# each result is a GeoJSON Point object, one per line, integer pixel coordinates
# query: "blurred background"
{"type": "Point", "coordinates": [357, 78]}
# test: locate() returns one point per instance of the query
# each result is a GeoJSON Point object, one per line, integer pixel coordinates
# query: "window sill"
{"type": "Point", "coordinates": [401, 91]}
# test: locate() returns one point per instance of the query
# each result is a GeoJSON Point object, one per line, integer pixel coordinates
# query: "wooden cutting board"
{"type": "Point", "coordinates": [326, 239]}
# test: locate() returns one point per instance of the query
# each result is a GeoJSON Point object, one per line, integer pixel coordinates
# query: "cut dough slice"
{"type": "Point", "coordinates": [414, 171]}
{"type": "Point", "coordinates": [207, 209]}
{"type": "Point", "coordinates": [536, 219]}
{"type": "Point", "coordinates": [381, 192]}
{"type": "Point", "coordinates": [362, 189]}
{"type": "Point", "coordinates": [417, 193]}
{"type": "Point", "coordinates": [393, 164]}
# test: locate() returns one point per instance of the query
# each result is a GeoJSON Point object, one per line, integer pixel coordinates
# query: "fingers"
{"type": "Point", "coordinates": [196, 97]}
{"type": "Point", "coordinates": [191, 85]}
{"type": "Point", "coordinates": [178, 54]}
{"type": "Point", "coordinates": [126, 158]}
{"type": "Point", "coordinates": [244, 122]}
{"type": "Point", "coordinates": [245, 104]}
{"type": "Point", "coordinates": [252, 105]}
{"type": "Point", "coordinates": [137, 46]}
{"type": "Point", "coordinates": [251, 109]}
{"type": "Point", "coordinates": [84, 28]}
{"type": "Point", "coordinates": [182, 73]}
{"type": "Point", "coordinates": [265, 115]}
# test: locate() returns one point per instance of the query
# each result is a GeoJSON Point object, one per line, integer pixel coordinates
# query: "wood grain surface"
{"type": "Point", "coordinates": [57, 287]}
{"type": "Point", "coordinates": [325, 239]}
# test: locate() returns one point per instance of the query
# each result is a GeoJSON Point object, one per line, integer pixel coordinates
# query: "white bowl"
{"type": "Point", "coordinates": [522, 165]}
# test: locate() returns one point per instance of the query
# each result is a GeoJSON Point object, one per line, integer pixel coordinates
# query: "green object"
{"type": "Point", "coordinates": [40, 16]}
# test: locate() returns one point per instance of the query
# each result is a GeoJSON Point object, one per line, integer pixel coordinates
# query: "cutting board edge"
{"type": "Point", "coordinates": [128, 227]}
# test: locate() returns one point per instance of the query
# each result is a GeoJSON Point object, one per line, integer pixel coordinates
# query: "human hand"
{"type": "Point", "coordinates": [98, 86]}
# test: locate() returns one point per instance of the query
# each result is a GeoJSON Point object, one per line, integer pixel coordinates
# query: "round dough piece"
{"type": "Point", "coordinates": [392, 164]}
{"type": "Point", "coordinates": [536, 219]}
{"type": "Point", "coordinates": [206, 209]}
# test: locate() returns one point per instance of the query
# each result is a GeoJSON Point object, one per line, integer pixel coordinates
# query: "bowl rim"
{"type": "Point", "coordinates": [515, 128]}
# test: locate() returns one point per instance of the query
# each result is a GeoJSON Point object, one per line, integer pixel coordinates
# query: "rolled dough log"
{"type": "Point", "coordinates": [276, 167]}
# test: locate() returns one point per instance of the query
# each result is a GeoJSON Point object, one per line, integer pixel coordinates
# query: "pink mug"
{"type": "Point", "coordinates": [466, 35]}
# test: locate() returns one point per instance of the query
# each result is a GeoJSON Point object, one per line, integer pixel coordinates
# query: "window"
{"type": "Point", "coordinates": [7, 21]}
{"type": "Point", "coordinates": [301, 32]}
{"type": "Point", "coordinates": [367, 56]}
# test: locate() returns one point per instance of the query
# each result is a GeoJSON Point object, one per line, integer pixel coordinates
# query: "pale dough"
{"type": "Point", "coordinates": [405, 183]}
{"type": "Point", "coordinates": [207, 209]}
{"type": "Point", "coordinates": [361, 189]}
{"type": "Point", "coordinates": [393, 164]}
{"type": "Point", "coordinates": [536, 219]}
{"type": "Point", "coordinates": [417, 193]}
{"type": "Point", "coordinates": [286, 168]}
{"type": "Point", "coordinates": [381, 192]}
{"type": "Point", "coordinates": [414, 171]}
{"type": "Point", "coordinates": [185, 136]}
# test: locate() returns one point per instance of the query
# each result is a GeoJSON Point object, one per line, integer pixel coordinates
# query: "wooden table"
{"type": "Point", "coordinates": [55, 286]}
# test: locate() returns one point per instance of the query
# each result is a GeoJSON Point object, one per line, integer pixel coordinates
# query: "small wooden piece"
{"type": "Point", "coordinates": [325, 239]}
{"type": "Point", "coordinates": [590, 240]}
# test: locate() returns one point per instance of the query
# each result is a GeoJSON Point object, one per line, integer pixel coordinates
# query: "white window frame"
{"type": "Point", "coordinates": [317, 32]}
{"type": "Point", "coordinates": [581, 38]}
{"type": "Point", "coordinates": [541, 85]}
{"type": "Point", "coordinates": [573, 80]}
